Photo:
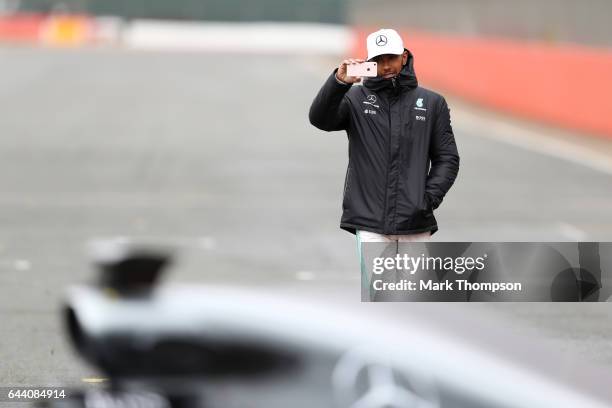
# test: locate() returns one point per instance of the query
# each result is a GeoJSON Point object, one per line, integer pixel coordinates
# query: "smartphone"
{"type": "Point", "coordinates": [365, 69]}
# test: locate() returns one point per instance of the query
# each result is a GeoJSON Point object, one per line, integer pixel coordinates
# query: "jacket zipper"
{"type": "Point", "coordinates": [396, 92]}
{"type": "Point", "coordinates": [399, 160]}
{"type": "Point", "coordinates": [389, 150]}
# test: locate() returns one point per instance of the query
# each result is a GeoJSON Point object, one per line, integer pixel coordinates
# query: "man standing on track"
{"type": "Point", "coordinates": [402, 153]}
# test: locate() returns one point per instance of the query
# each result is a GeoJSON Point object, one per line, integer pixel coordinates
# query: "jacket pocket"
{"type": "Point", "coordinates": [426, 209]}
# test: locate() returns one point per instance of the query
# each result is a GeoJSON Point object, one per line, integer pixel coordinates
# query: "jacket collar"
{"type": "Point", "coordinates": [406, 79]}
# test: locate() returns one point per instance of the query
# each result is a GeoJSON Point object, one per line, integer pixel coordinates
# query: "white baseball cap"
{"type": "Point", "coordinates": [384, 41]}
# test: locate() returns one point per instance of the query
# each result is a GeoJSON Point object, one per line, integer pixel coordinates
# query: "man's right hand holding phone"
{"type": "Point", "coordinates": [342, 75]}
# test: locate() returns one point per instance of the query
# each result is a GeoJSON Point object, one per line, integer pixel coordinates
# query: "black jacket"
{"type": "Point", "coordinates": [396, 130]}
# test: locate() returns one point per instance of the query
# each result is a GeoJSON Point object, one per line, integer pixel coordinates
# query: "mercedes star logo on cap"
{"type": "Point", "coordinates": [381, 40]}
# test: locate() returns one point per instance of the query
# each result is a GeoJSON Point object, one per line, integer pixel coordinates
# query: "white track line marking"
{"type": "Point", "coordinates": [304, 275]}
{"type": "Point", "coordinates": [203, 242]}
{"type": "Point", "coordinates": [513, 134]}
{"type": "Point", "coordinates": [22, 265]}
{"type": "Point", "coordinates": [325, 275]}
{"type": "Point", "coordinates": [571, 232]}
{"type": "Point", "coordinates": [94, 380]}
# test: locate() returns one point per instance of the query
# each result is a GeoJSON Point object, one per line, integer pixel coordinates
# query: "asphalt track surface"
{"type": "Point", "coordinates": [214, 153]}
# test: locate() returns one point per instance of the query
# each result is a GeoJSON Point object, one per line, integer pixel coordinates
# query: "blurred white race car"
{"type": "Point", "coordinates": [211, 346]}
